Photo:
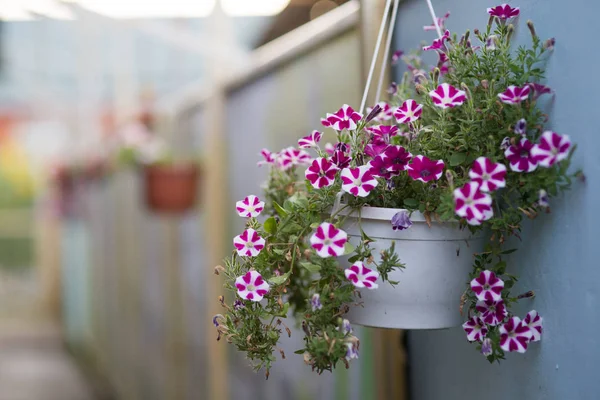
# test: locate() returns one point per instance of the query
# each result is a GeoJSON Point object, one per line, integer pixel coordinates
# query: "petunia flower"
{"type": "Point", "coordinates": [503, 11]}
{"type": "Point", "coordinates": [386, 113]}
{"type": "Point", "coordinates": [346, 327]}
{"type": "Point", "coordinates": [505, 143]}
{"type": "Point", "coordinates": [361, 276]}
{"type": "Point", "coordinates": [539, 89]}
{"type": "Point", "coordinates": [310, 141]}
{"type": "Point", "coordinates": [440, 21]}
{"type": "Point", "coordinates": [250, 207]}
{"type": "Point", "coordinates": [423, 169]}
{"type": "Point", "coordinates": [438, 44]}
{"type": "Point", "coordinates": [543, 200]}
{"type": "Point", "coordinates": [377, 146]}
{"type": "Point", "coordinates": [521, 127]}
{"type": "Point", "coordinates": [520, 156]}
{"type": "Point", "coordinates": [447, 96]}
{"type": "Point", "coordinates": [321, 173]}
{"type": "Point", "coordinates": [472, 204]}
{"type": "Point", "coordinates": [385, 131]}
{"type": "Point", "coordinates": [490, 42]}
{"type": "Point", "coordinates": [491, 312]}
{"type": "Point", "coordinates": [328, 240]}
{"type": "Point", "coordinates": [475, 329]}
{"type": "Point", "coordinates": [514, 94]}
{"type": "Point", "coordinates": [269, 158]}
{"type": "Point", "coordinates": [551, 149]}
{"type": "Point", "coordinates": [487, 286]}
{"type": "Point", "coordinates": [358, 181]}
{"type": "Point", "coordinates": [401, 221]}
{"type": "Point", "coordinates": [249, 243]}
{"type": "Point", "coordinates": [315, 302]}
{"type": "Point", "coordinates": [408, 112]}
{"type": "Point", "coordinates": [341, 159]}
{"type": "Point", "coordinates": [486, 347]}
{"type": "Point", "coordinates": [488, 174]}
{"type": "Point", "coordinates": [238, 305]}
{"type": "Point", "coordinates": [329, 148]}
{"type": "Point", "coordinates": [351, 352]}
{"type": "Point", "coordinates": [344, 118]}
{"type": "Point", "coordinates": [514, 335]}
{"type": "Point", "coordinates": [534, 322]}
{"type": "Point", "coordinates": [378, 167]}
{"type": "Point", "coordinates": [396, 56]}
{"type": "Point", "coordinates": [251, 286]}
{"type": "Point", "coordinates": [393, 89]}
{"type": "Point", "coordinates": [291, 157]}
{"type": "Point", "coordinates": [397, 159]}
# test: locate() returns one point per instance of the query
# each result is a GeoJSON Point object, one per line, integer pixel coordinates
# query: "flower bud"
{"type": "Point", "coordinates": [450, 178]}
{"type": "Point", "coordinates": [467, 34]}
{"type": "Point", "coordinates": [374, 112]}
{"type": "Point", "coordinates": [420, 89]}
{"type": "Point", "coordinates": [219, 269]}
{"type": "Point", "coordinates": [490, 21]}
{"type": "Point", "coordinates": [485, 84]}
{"type": "Point", "coordinates": [531, 28]}
{"type": "Point", "coordinates": [467, 90]}
{"type": "Point", "coordinates": [476, 31]}
{"type": "Point", "coordinates": [435, 76]}
{"type": "Point", "coordinates": [511, 30]}
{"type": "Point", "coordinates": [549, 44]}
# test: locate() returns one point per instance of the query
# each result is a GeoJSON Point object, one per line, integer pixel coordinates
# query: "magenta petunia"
{"type": "Point", "coordinates": [423, 169]}
{"type": "Point", "coordinates": [269, 158]}
{"type": "Point", "coordinates": [551, 149]}
{"type": "Point", "coordinates": [341, 159]}
{"type": "Point", "coordinates": [440, 21]}
{"type": "Point", "coordinates": [475, 329]}
{"type": "Point", "coordinates": [492, 312]}
{"type": "Point", "coordinates": [311, 140]}
{"type": "Point", "coordinates": [251, 286]}
{"type": "Point", "coordinates": [534, 322]}
{"type": "Point", "coordinates": [378, 167]}
{"type": "Point", "coordinates": [328, 240]}
{"type": "Point", "coordinates": [514, 335]}
{"type": "Point", "coordinates": [503, 11]}
{"type": "Point", "coordinates": [397, 159]}
{"type": "Point", "coordinates": [472, 204]}
{"type": "Point", "coordinates": [321, 173]}
{"type": "Point", "coordinates": [384, 131]}
{"type": "Point", "coordinates": [396, 56]}
{"type": "Point", "coordinates": [344, 118]}
{"type": "Point", "coordinates": [487, 286]}
{"type": "Point", "coordinates": [520, 156]}
{"type": "Point", "coordinates": [539, 89]}
{"type": "Point", "coordinates": [358, 181]}
{"type": "Point", "coordinates": [438, 44]}
{"type": "Point", "coordinates": [488, 174]}
{"type": "Point", "coordinates": [386, 113]}
{"type": "Point", "coordinates": [250, 207]}
{"type": "Point", "coordinates": [447, 96]}
{"type": "Point", "coordinates": [377, 146]}
{"type": "Point", "coordinates": [249, 243]}
{"type": "Point", "coordinates": [361, 276]}
{"type": "Point", "coordinates": [291, 157]}
{"type": "Point", "coordinates": [514, 94]}
{"type": "Point", "coordinates": [408, 112]}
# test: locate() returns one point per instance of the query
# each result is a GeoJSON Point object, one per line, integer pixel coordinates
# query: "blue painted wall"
{"type": "Point", "coordinates": [559, 257]}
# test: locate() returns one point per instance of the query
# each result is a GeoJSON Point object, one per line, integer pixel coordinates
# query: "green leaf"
{"type": "Point", "coordinates": [349, 248]}
{"type": "Point", "coordinates": [410, 202]}
{"type": "Point", "coordinates": [457, 159]}
{"type": "Point", "coordinates": [280, 210]}
{"type": "Point", "coordinates": [310, 266]}
{"type": "Point", "coordinates": [315, 225]}
{"type": "Point", "coordinates": [301, 351]}
{"type": "Point", "coordinates": [278, 280]}
{"type": "Point", "coordinates": [270, 225]}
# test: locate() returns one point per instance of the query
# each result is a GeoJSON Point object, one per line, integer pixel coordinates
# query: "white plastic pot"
{"type": "Point", "coordinates": [438, 261]}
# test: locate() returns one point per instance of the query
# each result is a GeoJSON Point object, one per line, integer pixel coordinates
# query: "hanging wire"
{"type": "Point", "coordinates": [386, 53]}
{"type": "Point", "coordinates": [435, 20]}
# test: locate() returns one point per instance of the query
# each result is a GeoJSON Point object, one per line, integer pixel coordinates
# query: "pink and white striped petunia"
{"type": "Point", "coordinates": [328, 240]}
{"type": "Point", "coordinates": [408, 112]}
{"type": "Point", "coordinates": [514, 94]}
{"type": "Point", "coordinates": [447, 96]}
{"type": "Point", "coordinates": [438, 44]}
{"type": "Point", "coordinates": [440, 21]}
{"type": "Point", "coordinates": [520, 156]}
{"type": "Point", "coordinates": [358, 181]}
{"type": "Point", "coordinates": [487, 286]}
{"type": "Point", "coordinates": [488, 174]}
{"type": "Point", "coordinates": [386, 113]}
{"type": "Point", "coordinates": [503, 11]}
{"type": "Point", "coordinates": [251, 286]}
{"type": "Point", "coordinates": [514, 335]}
{"type": "Point", "coordinates": [472, 204]}
{"type": "Point", "coordinates": [534, 322]}
{"type": "Point", "coordinates": [552, 148]}
{"type": "Point", "coordinates": [491, 312]}
{"type": "Point", "coordinates": [249, 243]}
{"type": "Point", "coordinates": [384, 131]}
{"type": "Point", "coordinates": [344, 118]}
{"type": "Point", "coordinates": [539, 89]}
{"type": "Point", "coordinates": [321, 173]}
{"type": "Point", "coordinates": [329, 148]}
{"type": "Point", "coordinates": [250, 207]}
{"type": "Point", "coordinates": [291, 157]}
{"type": "Point", "coordinates": [397, 159]}
{"type": "Point", "coordinates": [310, 141]}
{"type": "Point", "coordinates": [424, 169]}
{"type": "Point", "coordinates": [475, 329]}
{"type": "Point", "coordinates": [269, 158]}
{"type": "Point", "coordinates": [361, 276]}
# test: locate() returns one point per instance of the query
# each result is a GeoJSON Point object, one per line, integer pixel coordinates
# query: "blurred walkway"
{"type": "Point", "coordinates": [35, 366]}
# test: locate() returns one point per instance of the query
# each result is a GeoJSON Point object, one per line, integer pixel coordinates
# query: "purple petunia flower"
{"type": "Point", "coordinates": [423, 169]}
{"type": "Point", "coordinates": [315, 302]}
{"type": "Point", "coordinates": [521, 127]}
{"type": "Point", "coordinates": [539, 89]}
{"type": "Point", "coordinates": [543, 200]}
{"type": "Point", "coordinates": [486, 347]}
{"type": "Point", "coordinates": [397, 159]}
{"type": "Point", "coordinates": [401, 221]}
{"type": "Point", "coordinates": [440, 22]}
{"type": "Point", "coordinates": [503, 11]}
{"type": "Point", "coordinates": [487, 286]}
{"type": "Point", "coordinates": [438, 44]}
{"type": "Point", "coordinates": [393, 89]}
{"type": "Point", "coordinates": [491, 312]}
{"type": "Point", "coordinates": [378, 167]}
{"type": "Point", "coordinates": [520, 156]}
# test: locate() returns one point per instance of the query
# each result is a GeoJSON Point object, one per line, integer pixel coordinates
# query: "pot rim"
{"type": "Point", "coordinates": [384, 214]}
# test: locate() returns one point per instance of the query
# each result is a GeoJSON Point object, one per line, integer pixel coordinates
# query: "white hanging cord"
{"type": "Point", "coordinates": [375, 53]}
{"type": "Point", "coordinates": [435, 20]}
{"type": "Point", "coordinates": [386, 53]}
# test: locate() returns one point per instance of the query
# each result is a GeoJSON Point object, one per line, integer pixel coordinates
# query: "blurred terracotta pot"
{"type": "Point", "coordinates": [171, 188]}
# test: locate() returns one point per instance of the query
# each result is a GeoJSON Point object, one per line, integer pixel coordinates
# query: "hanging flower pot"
{"type": "Point", "coordinates": [171, 188]}
{"type": "Point", "coordinates": [437, 260]}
